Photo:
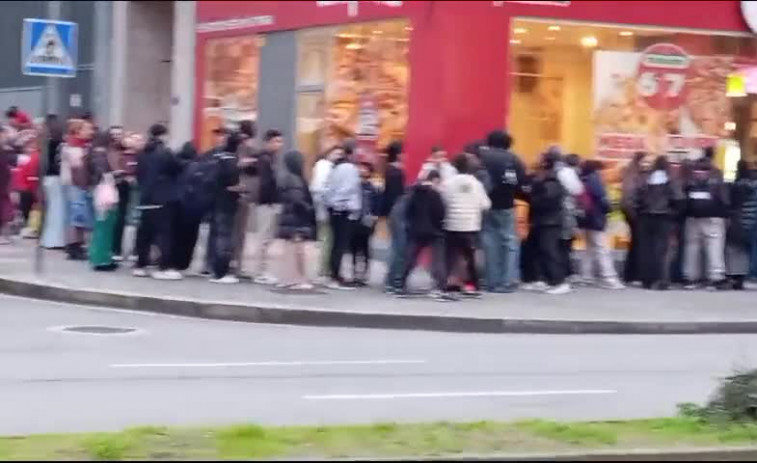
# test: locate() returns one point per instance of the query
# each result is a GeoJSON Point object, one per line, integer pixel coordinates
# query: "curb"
{"type": "Point", "coordinates": [340, 319]}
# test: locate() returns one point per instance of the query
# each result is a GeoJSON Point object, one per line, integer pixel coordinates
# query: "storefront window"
{"type": "Point", "coordinates": [230, 93]}
{"type": "Point", "coordinates": [352, 83]}
{"type": "Point", "coordinates": [607, 92]}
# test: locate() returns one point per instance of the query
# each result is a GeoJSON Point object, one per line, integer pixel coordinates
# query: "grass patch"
{"type": "Point", "coordinates": [250, 441]}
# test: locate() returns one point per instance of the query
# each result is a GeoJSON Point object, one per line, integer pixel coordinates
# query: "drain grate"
{"type": "Point", "coordinates": [100, 330]}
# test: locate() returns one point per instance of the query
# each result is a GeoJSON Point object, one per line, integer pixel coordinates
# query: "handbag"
{"type": "Point", "coordinates": [105, 195]}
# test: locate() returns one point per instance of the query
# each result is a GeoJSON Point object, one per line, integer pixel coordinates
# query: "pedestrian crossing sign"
{"type": "Point", "coordinates": [49, 48]}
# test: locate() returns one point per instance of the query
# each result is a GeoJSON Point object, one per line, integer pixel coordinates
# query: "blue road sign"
{"type": "Point", "coordinates": [49, 48]}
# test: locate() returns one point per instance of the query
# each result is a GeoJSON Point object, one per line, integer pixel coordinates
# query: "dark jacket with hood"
{"type": "Point", "coordinates": [157, 174]}
{"type": "Point", "coordinates": [506, 174]}
{"type": "Point", "coordinates": [266, 171]}
{"type": "Point", "coordinates": [297, 217]}
{"type": "Point", "coordinates": [425, 213]}
{"type": "Point", "coordinates": [199, 183]}
{"type": "Point", "coordinates": [546, 201]}
{"type": "Point", "coordinates": [706, 193]}
{"type": "Point", "coordinates": [743, 211]}
{"type": "Point", "coordinates": [595, 218]}
{"type": "Point", "coordinates": [656, 195]}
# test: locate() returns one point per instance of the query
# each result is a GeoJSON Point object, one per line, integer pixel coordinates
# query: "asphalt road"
{"type": "Point", "coordinates": [175, 371]}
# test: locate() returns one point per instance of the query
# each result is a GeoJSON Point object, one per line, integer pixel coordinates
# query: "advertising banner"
{"type": "Point", "coordinates": [661, 101]}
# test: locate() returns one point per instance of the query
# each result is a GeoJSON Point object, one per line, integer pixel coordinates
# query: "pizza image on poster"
{"type": "Point", "coordinates": [662, 101]}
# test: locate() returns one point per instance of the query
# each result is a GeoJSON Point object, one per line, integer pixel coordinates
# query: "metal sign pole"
{"type": "Point", "coordinates": [44, 156]}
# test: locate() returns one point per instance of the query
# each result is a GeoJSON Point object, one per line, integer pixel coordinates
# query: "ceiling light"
{"type": "Point", "coordinates": [553, 28]}
{"type": "Point", "coordinates": [515, 41]}
{"type": "Point", "coordinates": [589, 41]}
{"type": "Point", "coordinates": [730, 126]}
{"type": "Point", "coordinates": [353, 46]}
{"type": "Point", "coordinates": [520, 30]}
{"type": "Point", "coordinates": [626, 33]}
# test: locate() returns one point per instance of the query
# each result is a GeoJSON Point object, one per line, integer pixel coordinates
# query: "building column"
{"type": "Point", "coordinates": [182, 73]}
{"type": "Point", "coordinates": [101, 83]}
{"type": "Point", "coordinates": [118, 49]}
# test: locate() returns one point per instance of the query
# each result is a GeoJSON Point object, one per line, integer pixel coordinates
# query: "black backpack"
{"type": "Point", "coordinates": [200, 185]}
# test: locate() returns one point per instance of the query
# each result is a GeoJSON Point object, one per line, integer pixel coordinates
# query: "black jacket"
{"type": "Point", "coordinates": [706, 193]}
{"type": "Point", "coordinates": [546, 201]}
{"type": "Point", "coordinates": [425, 213]}
{"type": "Point", "coordinates": [506, 174]}
{"type": "Point", "coordinates": [157, 174]}
{"type": "Point", "coordinates": [266, 170]}
{"type": "Point", "coordinates": [199, 185]}
{"type": "Point", "coordinates": [657, 195]}
{"type": "Point", "coordinates": [394, 187]}
{"type": "Point", "coordinates": [743, 211]}
{"type": "Point", "coordinates": [297, 217]}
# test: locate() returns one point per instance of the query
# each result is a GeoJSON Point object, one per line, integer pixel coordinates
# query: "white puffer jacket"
{"type": "Point", "coordinates": [466, 201]}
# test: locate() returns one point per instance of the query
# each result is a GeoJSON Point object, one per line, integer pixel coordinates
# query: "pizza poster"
{"type": "Point", "coordinates": [660, 100]}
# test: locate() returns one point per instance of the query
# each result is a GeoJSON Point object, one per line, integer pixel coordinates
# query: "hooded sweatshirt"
{"type": "Point", "coordinates": [507, 176]}
{"type": "Point", "coordinates": [425, 213]}
{"type": "Point", "coordinates": [343, 189]}
{"type": "Point", "coordinates": [157, 174]}
{"type": "Point", "coordinates": [706, 194]}
{"type": "Point", "coordinates": [298, 212]}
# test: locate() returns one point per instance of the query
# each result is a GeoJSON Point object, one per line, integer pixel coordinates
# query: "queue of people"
{"type": "Point", "coordinates": [460, 211]}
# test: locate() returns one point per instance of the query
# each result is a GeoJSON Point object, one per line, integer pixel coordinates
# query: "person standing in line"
{"type": "Point", "coordinates": [593, 224]}
{"type": "Point", "coordinates": [567, 174]}
{"type": "Point", "coordinates": [28, 178]}
{"type": "Point", "coordinates": [6, 207]}
{"type": "Point", "coordinates": [123, 174]}
{"type": "Point", "coordinates": [220, 143]}
{"type": "Point", "coordinates": [394, 189]}
{"type": "Point", "coordinates": [394, 177]}
{"type": "Point", "coordinates": [500, 239]}
{"type": "Point", "coordinates": [398, 247]}
{"type": "Point", "coordinates": [546, 201]}
{"type": "Point", "coordinates": [297, 223]}
{"type": "Point", "coordinates": [54, 224]}
{"type": "Point", "coordinates": [655, 204]}
{"type": "Point", "coordinates": [466, 201]}
{"type": "Point", "coordinates": [438, 162]}
{"type": "Point", "coordinates": [225, 211]}
{"type": "Point", "coordinates": [268, 209]}
{"type": "Point", "coordinates": [157, 174]}
{"type": "Point", "coordinates": [105, 195]}
{"type": "Point", "coordinates": [321, 172]}
{"type": "Point", "coordinates": [742, 223]}
{"type": "Point", "coordinates": [360, 246]}
{"type": "Point", "coordinates": [344, 200]}
{"type": "Point", "coordinates": [706, 207]}
{"type": "Point", "coordinates": [74, 177]}
{"type": "Point", "coordinates": [632, 178]}
{"type": "Point", "coordinates": [425, 214]}
{"type": "Point", "coordinates": [249, 189]}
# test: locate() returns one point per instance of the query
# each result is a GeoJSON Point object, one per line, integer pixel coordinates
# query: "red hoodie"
{"type": "Point", "coordinates": [27, 175]}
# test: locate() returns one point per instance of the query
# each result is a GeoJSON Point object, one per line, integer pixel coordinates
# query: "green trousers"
{"type": "Point", "coordinates": [101, 246]}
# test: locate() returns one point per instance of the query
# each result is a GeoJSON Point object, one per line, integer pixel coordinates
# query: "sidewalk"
{"type": "Point", "coordinates": [584, 311]}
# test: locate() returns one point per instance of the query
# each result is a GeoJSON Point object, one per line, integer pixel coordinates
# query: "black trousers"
{"type": "Point", "coordinates": [566, 255]}
{"type": "Point", "coordinates": [654, 235]}
{"type": "Point", "coordinates": [341, 230]}
{"type": "Point", "coordinates": [632, 267]}
{"type": "Point", "coordinates": [124, 190]}
{"type": "Point", "coordinates": [223, 239]}
{"type": "Point", "coordinates": [361, 251]}
{"type": "Point", "coordinates": [26, 203]}
{"type": "Point", "coordinates": [185, 239]}
{"type": "Point", "coordinates": [529, 265]}
{"type": "Point", "coordinates": [414, 248]}
{"type": "Point", "coordinates": [461, 250]}
{"type": "Point", "coordinates": [549, 255]}
{"type": "Point", "coordinates": [156, 227]}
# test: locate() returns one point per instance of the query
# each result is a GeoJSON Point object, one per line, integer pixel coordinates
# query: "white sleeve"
{"type": "Point", "coordinates": [484, 202]}
{"type": "Point", "coordinates": [569, 180]}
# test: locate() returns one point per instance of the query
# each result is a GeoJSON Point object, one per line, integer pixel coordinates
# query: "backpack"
{"type": "Point", "coordinates": [200, 185]}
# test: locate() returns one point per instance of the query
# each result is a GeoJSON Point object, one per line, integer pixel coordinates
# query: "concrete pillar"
{"type": "Point", "coordinates": [52, 94]}
{"type": "Point", "coordinates": [182, 73]}
{"type": "Point", "coordinates": [119, 48]}
{"type": "Point", "coordinates": [101, 83]}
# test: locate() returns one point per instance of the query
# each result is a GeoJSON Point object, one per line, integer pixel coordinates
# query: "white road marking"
{"type": "Point", "coordinates": [438, 395]}
{"type": "Point", "coordinates": [269, 364]}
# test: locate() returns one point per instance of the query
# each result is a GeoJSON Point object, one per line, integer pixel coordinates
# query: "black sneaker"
{"type": "Point", "coordinates": [471, 294]}
{"type": "Point", "coordinates": [440, 296]}
{"type": "Point", "coordinates": [722, 285]}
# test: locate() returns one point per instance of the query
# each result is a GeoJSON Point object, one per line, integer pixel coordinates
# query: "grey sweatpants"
{"type": "Point", "coordinates": [707, 234]}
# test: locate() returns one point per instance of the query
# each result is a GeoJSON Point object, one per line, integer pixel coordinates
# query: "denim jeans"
{"type": "Point", "coordinates": [500, 244]}
{"type": "Point", "coordinates": [397, 251]}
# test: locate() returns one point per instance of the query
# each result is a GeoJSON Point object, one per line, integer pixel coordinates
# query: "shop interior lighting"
{"type": "Point", "coordinates": [626, 33]}
{"type": "Point", "coordinates": [554, 28]}
{"type": "Point", "coordinates": [515, 41]}
{"type": "Point", "coordinates": [520, 30]}
{"type": "Point", "coordinates": [730, 126]}
{"type": "Point", "coordinates": [589, 41]}
{"type": "Point", "coordinates": [353, 46]}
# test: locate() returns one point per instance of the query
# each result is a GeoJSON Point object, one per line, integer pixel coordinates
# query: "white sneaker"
{"type": "Point", "coordinates": [559, 290]}
{"type": "Point", "coordinates": [167, 275]}
{"type": "Point", "coordinates": [613, 284]}
{"type": "Point", "coordinates": [302, 287]}
{"type": "Point", "coordinates": [227, 280]}
{"type": "Point", "coordinates": [267, 280]}
{"type": "Point", "coordinates": [118, 258]}
{"type": "Point", "coordinates": [333, 284]}
{"type": "Point", "coordinates": [537, 286]}
{"type": "Point", "coordinates": [140, 273]}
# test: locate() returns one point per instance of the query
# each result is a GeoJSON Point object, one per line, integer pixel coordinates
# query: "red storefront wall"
{"type": "Point", "coordinates": [459, 81]}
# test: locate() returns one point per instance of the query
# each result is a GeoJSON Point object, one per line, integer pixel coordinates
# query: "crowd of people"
{"type": "Point", "coordinates": [460, 211]}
